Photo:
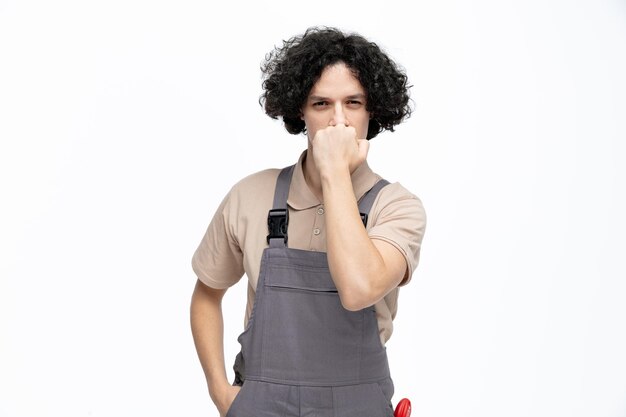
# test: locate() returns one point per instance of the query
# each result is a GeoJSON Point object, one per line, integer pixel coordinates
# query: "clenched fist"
{"type": "Point", "coordinates": [337, 148]}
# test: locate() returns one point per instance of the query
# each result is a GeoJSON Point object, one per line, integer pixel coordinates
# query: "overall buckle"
{"type": "Point", "coordinates": [277, 220]}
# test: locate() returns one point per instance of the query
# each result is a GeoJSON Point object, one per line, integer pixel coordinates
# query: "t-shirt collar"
{"type": "Point", "coordinates": [301, 197]}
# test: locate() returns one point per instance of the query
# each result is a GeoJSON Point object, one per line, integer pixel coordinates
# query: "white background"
{"type": "Point", "coordinates": [123, 123]}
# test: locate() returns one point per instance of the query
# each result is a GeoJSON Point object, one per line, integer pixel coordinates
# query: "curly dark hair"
{"type": "Point", "coordinates": [291, 71]}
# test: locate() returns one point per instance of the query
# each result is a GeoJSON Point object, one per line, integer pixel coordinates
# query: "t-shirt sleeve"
{"type": "Point", "coordinates": [400, 219]}
{"type": "Point", "coordinates": [218, 260]}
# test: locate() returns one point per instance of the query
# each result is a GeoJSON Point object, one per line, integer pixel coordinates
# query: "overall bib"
{"type": "Point", "coordinates": [302, 353]}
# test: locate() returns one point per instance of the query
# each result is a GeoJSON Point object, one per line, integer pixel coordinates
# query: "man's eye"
{"type": "Point", "coordinates": [354, 102]}
{"type": "Point", "coordinates": [320, 103]}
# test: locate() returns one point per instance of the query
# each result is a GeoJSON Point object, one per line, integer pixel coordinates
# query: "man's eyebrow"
{"type": "Point", "coordinates": [350, 97]}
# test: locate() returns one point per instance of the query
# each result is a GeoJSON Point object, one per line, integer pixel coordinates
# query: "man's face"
{"type": "Point", "coordinates": [336, 98]}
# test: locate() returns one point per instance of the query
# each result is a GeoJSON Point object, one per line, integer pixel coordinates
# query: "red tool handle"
{"type": "Point", "coordinates": [403, 409]}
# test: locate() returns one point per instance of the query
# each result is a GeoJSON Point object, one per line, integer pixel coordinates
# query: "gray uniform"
{"type": "Point", "coordinates": [302, 353]}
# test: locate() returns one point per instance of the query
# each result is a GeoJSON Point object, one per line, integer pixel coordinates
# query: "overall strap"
{"type": "Point", "coordinates": [278, 216]}
{"type": "Point", "coordinates": [366, 202]}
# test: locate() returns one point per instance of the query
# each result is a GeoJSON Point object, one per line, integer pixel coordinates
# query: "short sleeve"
{"type": "Point", "coordinates": [399, 218]}
{"type": "Point", "coordinates": [218, 260]}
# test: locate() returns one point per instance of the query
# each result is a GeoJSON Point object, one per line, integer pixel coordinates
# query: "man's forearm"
{"type": "Point", "coordinates": [207, 326]}
{"type": "Point", "coordinates": [354, 261]}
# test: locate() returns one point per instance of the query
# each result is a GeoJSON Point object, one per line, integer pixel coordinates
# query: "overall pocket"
{"type": "Point", "coordinates": [312, 337]}
{"type": "Point", "coordinates": [232, 410]}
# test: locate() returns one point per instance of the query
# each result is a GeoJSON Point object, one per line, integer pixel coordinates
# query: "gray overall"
{"type": "Point", "coordinates": [302, 353]}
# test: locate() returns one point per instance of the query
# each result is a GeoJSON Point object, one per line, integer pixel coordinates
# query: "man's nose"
{"type": "Point", "coordinates": [339, 117]}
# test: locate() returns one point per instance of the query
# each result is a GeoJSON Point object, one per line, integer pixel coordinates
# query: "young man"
{"type": "Point", "coordinates": [325, 244]}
